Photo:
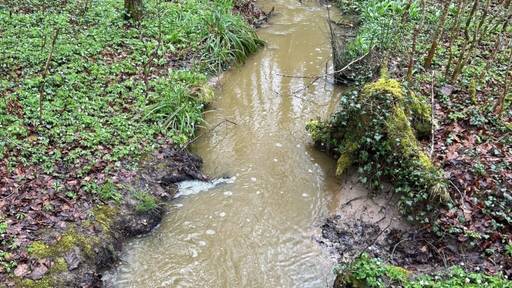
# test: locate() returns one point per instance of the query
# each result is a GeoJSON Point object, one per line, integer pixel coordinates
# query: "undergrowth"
{"type": "Point", "coordinates": [374, 273]}
{"type": "Point", "coordinates": [454, 58]}
{"type": "Point", "coordinates": [374, 130]}
{"type": "Point", "coordinates": [86, 93]}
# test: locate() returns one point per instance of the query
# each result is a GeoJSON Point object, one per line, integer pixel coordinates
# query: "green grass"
{"type": "Point", "coordinates": [146, 202]}
{"type": "Point", "coordinates": [113, 91]}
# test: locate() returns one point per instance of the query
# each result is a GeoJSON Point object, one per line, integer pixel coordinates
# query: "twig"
{"type": "Point", "coordinates": [438, 252]}
{"type": "Point", "coordinates": [45, 73]}
{"type": "Point", "coordinates": [331, 73]}
{"type": "Point", "coordinates": [375, 240]}
{"type": "Point", "coordinates": [396, 245]}
{"type": "Point", "coordinates": [350, 201]}
{"type": "Point", "coordinates": [432, 117]}
{"type": "Point", "coordinates": [462, 196]}
{"type": "Point", "coordinates": [208, 132]}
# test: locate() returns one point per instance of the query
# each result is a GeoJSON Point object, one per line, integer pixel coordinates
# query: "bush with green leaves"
{"type": "Point", "coordinates": [375, 130]}
{"type": "Point", "coordinates": [381, 25]}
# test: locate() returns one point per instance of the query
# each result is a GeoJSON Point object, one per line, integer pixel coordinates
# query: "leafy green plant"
{"type": "Point", "coordinates": [381, 27]}
{"type": "Point", "coordinates": [508, 249]}
{"type": "Point", "coordinates": [108, 191]}
{"type": "Point", "coordinates": [146, 202]}
{"type": "Point", "coordinates": [374, 273]}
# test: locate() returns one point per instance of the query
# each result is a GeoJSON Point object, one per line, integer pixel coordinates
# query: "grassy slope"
{"type": "Point", "coordinates": [113, 92]}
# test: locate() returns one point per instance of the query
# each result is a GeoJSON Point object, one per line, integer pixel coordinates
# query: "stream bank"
{"type": "Point", "coordinates": [451, 242]}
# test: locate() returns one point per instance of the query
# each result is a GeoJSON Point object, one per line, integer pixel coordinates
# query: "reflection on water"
{"type": "Point", "coordinates": [255, 230]}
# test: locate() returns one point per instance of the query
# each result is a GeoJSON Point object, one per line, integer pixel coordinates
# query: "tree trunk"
{"type": "Point", "coordinates": [500, 103]}
{"type": "Point", "coordinates": [458, 66]}
{"type": "Point", "coordinates": [453, 33]}
{"type": "Point", "coordinates": [133, 9]}
{"type": "Point", "coordinates": [438, 33]}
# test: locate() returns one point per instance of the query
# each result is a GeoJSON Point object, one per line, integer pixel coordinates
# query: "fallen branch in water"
{"type": "Point", "coordinates": [350, 202]}
{"type": "Point", "coordinates": [208, 132]}
{"type": "Point", "coordinates": [327, 74]}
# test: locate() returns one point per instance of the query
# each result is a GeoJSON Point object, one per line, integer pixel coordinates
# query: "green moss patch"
{"type": "Point", "coordinates": [105, 215]}
{"type": "Point", "coordinates": [67, 241]}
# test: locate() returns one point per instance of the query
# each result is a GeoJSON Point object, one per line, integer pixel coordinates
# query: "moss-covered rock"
{"type": "Point", "coordinates": [67, 241]}
{"type": "Point", "coordinates": [420, 114]}
{"type": "Point", "coordinates": [377, 128]}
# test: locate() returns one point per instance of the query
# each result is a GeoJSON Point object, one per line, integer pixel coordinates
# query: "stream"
{"type": "Point", "coordinates": [257, 227]}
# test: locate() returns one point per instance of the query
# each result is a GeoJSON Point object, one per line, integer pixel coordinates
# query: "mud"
{"type": "Point", "coordinates": [412, 248]}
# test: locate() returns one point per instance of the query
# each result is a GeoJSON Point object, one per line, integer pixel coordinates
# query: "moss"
{"type": "Point", "coordinates": [105, 215]}
{"type": "Point", "coordinates": [425, 161]}
{"type": "Point", "coordinates": [472, 91]}
{"type": "Point", "coordinates": [343, 163]}
{"type": "Point", "coordinates": [420, 114]}
{"type": "Point", "coordinates": [45, 282]}
{"type": "Point", "coordinates": [69, 239]}
{"type": "Point", "coordinates": [401, 134]}
{"type": "Point", "coordinates": [345, 159]}
{"type": "Point", "coordinates": [384, 85]}
{"type": "Point", "coordinates": [60, 265]}
{"type": "Point", "coordinates": [39, 249]}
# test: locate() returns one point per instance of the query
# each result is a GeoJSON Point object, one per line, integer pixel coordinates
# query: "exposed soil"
{"type": "Point", "coordinates": [415, 249]}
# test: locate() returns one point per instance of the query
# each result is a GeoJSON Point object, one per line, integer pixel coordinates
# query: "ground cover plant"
{"type": "Point", "coordinates": [454, 57]}
{"type": "Point", "coordinates": [86, 92]}
{"type": "Point", "coordinates": [370, 272]}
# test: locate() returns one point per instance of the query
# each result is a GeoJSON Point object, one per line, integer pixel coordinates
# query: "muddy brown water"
{"type": "Point", "coordinates": [255, 229]}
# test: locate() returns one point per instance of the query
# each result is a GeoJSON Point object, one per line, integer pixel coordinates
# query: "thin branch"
{"type": "Point", "coordinates": [45, 73]}
{"type": "Point", "coordinates": [327, 74]}
{"type": "Point", "coordinates": [432, 116]}
{"type": "Point", "coordinates": [208, 132]}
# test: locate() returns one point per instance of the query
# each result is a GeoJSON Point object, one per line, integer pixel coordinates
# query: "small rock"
{"type": "Point", "coordinates": [73, 258]}
{"type": "Point", "coordinates": [38, 272]}
{"type": "Point", "coordinates": [21, 270]}
{"type": "Point", "coordinates": [447, 90]}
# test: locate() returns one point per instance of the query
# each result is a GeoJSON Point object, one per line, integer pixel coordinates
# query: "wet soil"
{"type": "Point", "coordinates": [413, 248]}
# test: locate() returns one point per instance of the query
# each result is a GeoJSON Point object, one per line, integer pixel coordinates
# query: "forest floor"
{"type": "Point", "coordinates": [88, 100]}
{"type": "Point", "coordinates": [470, 138]}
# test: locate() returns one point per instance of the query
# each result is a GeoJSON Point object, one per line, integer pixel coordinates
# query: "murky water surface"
{"type": "Point", "coordinates": [256, 228]}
